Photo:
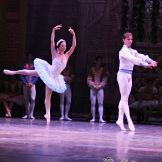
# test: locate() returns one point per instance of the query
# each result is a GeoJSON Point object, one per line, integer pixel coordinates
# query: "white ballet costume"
{"type": "Point", "coordinates": [50, 74]}
{"type": "Point", "coordinates": [128, 57]}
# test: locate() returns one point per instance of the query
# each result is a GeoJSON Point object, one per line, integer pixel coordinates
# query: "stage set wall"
{"type": "Point", "coordinates": [26, 25]}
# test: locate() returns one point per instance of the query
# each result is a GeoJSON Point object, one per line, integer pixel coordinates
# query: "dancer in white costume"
{"type": "Point", "coordinates": [128, 57]}
{"type": "Point", "coordinates": [50, 74]}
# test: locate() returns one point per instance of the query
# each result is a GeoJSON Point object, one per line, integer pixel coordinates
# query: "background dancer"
{"type": "Point", "coordinates": [29, 89]}
{"type": "Point", "coordinates": [96, 80]}
{"type": "Point", "coordinates": [65, 98]}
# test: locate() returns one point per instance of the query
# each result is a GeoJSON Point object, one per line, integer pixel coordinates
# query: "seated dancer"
{"type": "Point", "coordinates": [128, 57]}
{"type": "Point", "coordinates": [50, 74]}
{"type": "Point", "coordinates": [11, 95]}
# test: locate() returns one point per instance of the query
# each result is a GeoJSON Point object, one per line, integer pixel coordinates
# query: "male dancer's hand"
{"type": "Point", "coordinates": [97, 86]}
{"type": "Point", "coordinates": [154, 64]}
{"type": "Point", "coordinates": [30, 85]}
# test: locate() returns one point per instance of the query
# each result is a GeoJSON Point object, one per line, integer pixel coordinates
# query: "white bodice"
{"type": "Point", "coordinates": [57, 66]}
{"type": "Point", "coordinates": [129, 57]}
{"type": "Point", "coordinates": [124, 54]}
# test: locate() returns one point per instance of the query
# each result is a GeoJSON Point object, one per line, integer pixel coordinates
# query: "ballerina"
{"type": "Point", "coordinates": [50, 74]}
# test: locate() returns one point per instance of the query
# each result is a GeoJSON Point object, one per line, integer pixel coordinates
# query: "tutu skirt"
{"type": "Point", "coordinates": [55, 83]}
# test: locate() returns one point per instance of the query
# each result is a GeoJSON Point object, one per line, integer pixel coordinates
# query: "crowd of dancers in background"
{"type": "Point", "coordinates": [96, 80]}
{"type": "Point", "coordinates": [58, 77]}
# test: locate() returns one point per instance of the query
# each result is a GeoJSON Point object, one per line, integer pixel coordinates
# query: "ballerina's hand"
{"type": "Point", "coordinates": [57, 27]}
{"type": "Point", "coordinates": [71, 31]}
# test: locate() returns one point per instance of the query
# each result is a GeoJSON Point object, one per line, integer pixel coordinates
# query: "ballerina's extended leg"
{"type": "Point", "coordinates": [20, 72]}
{"type": "Point", "coordinates": [9, 72]}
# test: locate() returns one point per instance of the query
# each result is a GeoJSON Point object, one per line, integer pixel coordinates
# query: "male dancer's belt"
{"type": "Point", "coordinates": [126, 71]}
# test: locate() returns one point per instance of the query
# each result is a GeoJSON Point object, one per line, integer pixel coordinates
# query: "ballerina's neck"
{"type": "Point", "coordinates": [61, 53]}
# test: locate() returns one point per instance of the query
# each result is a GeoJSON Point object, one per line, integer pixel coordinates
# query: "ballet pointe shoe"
{"type": "Point", "coordinates": [102, 121]}
{"type": "Point", "coordinates": [61, 118]}
{"type": "Point", "coordinates": [8, 72]}
{"type": "Point", "coordinates": [8, 115]}
{"type": "Point", "coordinates": [92, 120]}
{"type": "Point", "coordinates": [121, 125]}
{"type": "Point", "coordinates": [48, 118]}
{"type": "Point", "coordinates": [25, 117]}
{"type": "Point", "coordinates": [32, 117]}
{"type": "Point", "coordinates": [67, 118]}
{"type": "Point", "coordinates": [131, 126]}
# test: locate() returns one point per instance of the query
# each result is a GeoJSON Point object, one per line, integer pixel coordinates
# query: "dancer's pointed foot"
{"type": "Point", "coordinates": [121, 125]}
{"type": "Point", "coordinates": [102, 121]}
{"type": "Point", "coordinates": [67, 118]}
{"type": "Point", "coordinates": [131, 126]}
{"type": "Point", "coordinates": [61, 118]}
{"type": "Point", "coordinates": [25, 117]}
{"type": "Point", "coordinates": [8, 115]}
{"type": "Point", "coordinates": [9, 72]}
{"type": "Point", "coordinates": [92, 120]}
{"type": "Point", "coordinates": [48, 118]}
{"type": "Point", "coordinates": [31, 117]}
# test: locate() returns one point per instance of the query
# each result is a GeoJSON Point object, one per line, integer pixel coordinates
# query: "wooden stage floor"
{"type": "Point", "coordinates": [24, 140]}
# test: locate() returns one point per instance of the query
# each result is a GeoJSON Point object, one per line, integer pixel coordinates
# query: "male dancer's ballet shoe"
{"type": "Point", "coordinates": [121, 125]}
{"type": "Point", "coordinates": [131, 126]}
{"type": "Point", "coordinates": [92, 120]}
{"type": "Point", "coordinates": [102, 121]}
{"type": "Point", "coordinates": [67, 118]}
{"type": "Point", "coordinates": [8, 72]}
{"type": "Point", "coordinates": [61, 118]}
{"type": "Point", "coordinates": [48, 118]}
{"type": "Point", "coordinates": [25, 117]}
{"type": "Point", "coordinates": [32, 117]}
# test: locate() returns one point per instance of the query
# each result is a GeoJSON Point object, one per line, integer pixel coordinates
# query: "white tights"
{"type": "Point", "coordinates": [125, 85]}
{"type": "Point", "coordinates": [99, 94]}
{"type": "Point", "coordinates": [65, 96]}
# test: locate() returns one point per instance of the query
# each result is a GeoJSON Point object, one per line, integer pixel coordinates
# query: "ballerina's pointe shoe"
{"type": "Point", "coordinates": [131, 126]}
{"type": "Point", "coordinates": [121, 125]}
{"type": "Point", "coordinates": [8, 115]}
{"type": "Point", "coordinates": [48, 118]}
{"type": "Point", "coordinates": [8, 72]}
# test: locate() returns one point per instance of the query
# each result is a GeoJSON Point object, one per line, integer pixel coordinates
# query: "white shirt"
{"type": "Point", "coordinates": [129, 57]}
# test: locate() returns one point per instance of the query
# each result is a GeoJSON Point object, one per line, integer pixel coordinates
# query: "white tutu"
{"type": "Point", "coordinates": [47, 74]}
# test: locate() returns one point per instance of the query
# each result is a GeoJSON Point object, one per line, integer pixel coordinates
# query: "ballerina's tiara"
{"type": "Point", "coordinates": [61, 40]}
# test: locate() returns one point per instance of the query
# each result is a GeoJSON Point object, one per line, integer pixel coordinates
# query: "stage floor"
{"type": "Point", "coordinates": [23, 140]}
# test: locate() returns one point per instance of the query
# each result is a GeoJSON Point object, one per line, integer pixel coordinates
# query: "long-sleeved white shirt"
{"type": "Point", "coordinates": [129, 57]}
